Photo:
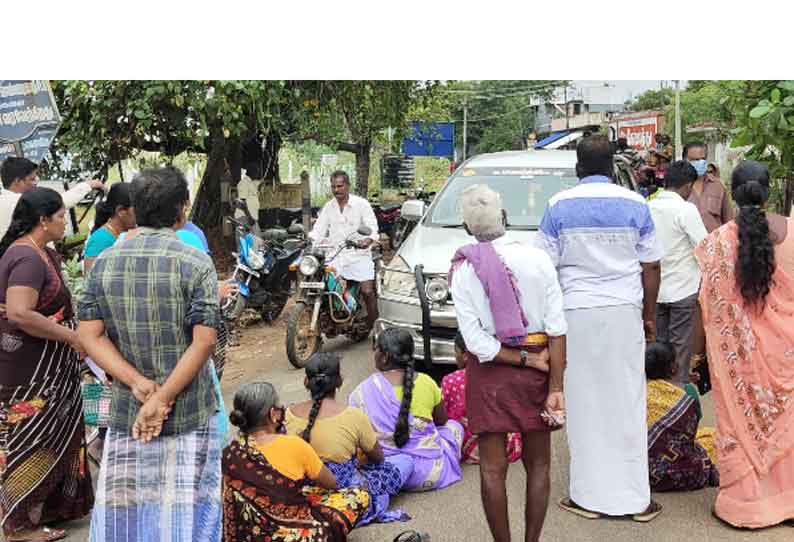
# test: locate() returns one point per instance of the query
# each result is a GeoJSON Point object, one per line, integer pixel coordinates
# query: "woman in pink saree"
{"type": "Point", "coordinates": [747, 299]}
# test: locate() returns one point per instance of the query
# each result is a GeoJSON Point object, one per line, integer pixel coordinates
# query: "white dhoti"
{"type": "Point", "coordinates": [355, 265]}
{"type": "Point", "coordinates": [606, 409]}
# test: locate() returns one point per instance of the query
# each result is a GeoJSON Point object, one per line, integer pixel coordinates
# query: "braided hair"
{"type": "Point", "coordinates": [398, 346]}
{"type": "Point", "coordinates": [323, 376]}
{"type": "Point", "coordinates": [119, 196]}
{"type": "Point", "coordinates": [33, 205]}
{"type": "Point", "coordinates": [755, 261]}
{"type": "Point", "coordinates": [252, 404]}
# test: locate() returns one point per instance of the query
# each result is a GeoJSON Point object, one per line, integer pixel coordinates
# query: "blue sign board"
{"type": "Point", "coordinates": [430, 139]}
{"type": "Point", "coordinates": [29, 118]}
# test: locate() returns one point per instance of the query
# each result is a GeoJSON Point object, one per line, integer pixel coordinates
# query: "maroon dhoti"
{"type": "Point", "coordinates": [504, 398]}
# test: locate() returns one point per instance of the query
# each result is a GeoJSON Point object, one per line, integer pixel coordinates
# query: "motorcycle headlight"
{"type": "Point", "coordinates": [437, 290]}
{"type": "Point", "coordinates": [397, 279]}
{"type": "Point", "coordinates": [255, 260]}
{"type": "Point", "coordinates": [309, 265]}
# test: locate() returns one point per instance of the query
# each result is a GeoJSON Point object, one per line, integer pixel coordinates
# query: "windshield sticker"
{"type": "Point", "coordinates": [469, 172]}
{"type": "Point", "coordinates": [530, 173]}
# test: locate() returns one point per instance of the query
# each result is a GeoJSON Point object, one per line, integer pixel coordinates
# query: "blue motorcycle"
{"type": "Point", "coordinates": [262, 273]}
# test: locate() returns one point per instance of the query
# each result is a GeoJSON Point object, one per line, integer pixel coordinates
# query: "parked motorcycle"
{"type": "Point", "coordinates": [387, 215]}
{"type": "Point", "coordinates": [262, 273]}
{"type": "Point", "coordinates": [327, 304]}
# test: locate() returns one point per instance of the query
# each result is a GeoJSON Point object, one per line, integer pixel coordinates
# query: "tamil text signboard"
{"type": "Point", "coordinates": [29, 118]}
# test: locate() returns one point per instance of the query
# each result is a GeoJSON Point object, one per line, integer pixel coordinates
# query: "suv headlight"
{"type": "Point", "coordinates": [397, 279]}
{"type": "Point", "coordinates": [255, 259]}
{"type": "Point", "coordinates": [309, 266]}
{"type": "Point", "coordinates": [437, 289]}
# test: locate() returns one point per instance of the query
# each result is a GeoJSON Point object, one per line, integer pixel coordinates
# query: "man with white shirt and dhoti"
{"type": "Point", "coordinates": [602, 239]}
{"type": "Point", "coordinates": [339, 218]}
{"type": "Point", "coordinates": [510, 312]}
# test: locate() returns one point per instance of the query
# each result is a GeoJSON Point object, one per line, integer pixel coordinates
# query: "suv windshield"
{"type": "Point", "coordinates": [525, 192]}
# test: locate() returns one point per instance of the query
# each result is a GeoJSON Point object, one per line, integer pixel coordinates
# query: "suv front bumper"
{"type": "Point", "coordinates": [406, 313]}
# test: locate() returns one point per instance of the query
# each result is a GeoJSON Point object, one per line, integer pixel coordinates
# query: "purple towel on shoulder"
{"type": "Point", "coordinates": [500, 288]}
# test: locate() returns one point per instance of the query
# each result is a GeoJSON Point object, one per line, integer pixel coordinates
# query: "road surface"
{"type": "Point", "coordinates": [455, 514]}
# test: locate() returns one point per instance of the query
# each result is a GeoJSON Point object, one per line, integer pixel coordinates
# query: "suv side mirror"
{"type": "Point", "coordinates": [413, 210]}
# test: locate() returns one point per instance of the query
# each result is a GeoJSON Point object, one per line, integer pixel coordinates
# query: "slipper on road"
{"type": "Point", "coordinates": [650, 514]}
{"type": "Point", "coordinates": [569, 506]}
{"type": "Point", "coordinates": [44, 535]}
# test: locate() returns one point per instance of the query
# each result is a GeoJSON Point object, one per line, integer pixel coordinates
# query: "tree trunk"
{"type": "Point", "coordinates": [362, 168]}
{"type": "Point", "coordinates": [789, 195]}
{"type": "Point", "coordinates": [207, 211]}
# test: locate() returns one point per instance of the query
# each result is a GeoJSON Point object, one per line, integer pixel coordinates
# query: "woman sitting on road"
{"type": "Point", "coordinates": [336, 432]}
{"type": "Point", "coordinates": [275, 486]}
{"type": "Point", "coordinates": [406, 409]}
{"type": "Point", "coordinates": [453, 392]}
{"type": "Point", "coordinates": [680, 457]}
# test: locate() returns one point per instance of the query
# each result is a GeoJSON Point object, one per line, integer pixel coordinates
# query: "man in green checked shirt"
{"type": "Point", "coordinates": [148, 317]}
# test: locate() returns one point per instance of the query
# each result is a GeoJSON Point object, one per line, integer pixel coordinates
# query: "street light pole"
{"type": "Point", "coordinates": [465, 125]}
{"type": "Point", "coordinates": [678, 146]}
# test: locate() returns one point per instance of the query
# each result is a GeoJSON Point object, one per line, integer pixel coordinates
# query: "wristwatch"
{"type": "Point", "coordinates": [524, 358]}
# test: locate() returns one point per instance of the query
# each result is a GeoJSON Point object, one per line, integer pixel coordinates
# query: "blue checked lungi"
{"type": "Point", "coordinates": [167, 490]}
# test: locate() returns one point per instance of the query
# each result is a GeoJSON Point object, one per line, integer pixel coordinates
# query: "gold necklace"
{"type": "Point", "coordinates": [113, 230]}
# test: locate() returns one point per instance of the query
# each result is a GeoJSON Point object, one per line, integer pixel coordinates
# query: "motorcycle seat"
{"type": "Point", "coordinates": [275, 234]}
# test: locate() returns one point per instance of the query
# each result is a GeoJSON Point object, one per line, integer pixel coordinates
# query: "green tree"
{"type": "Point", "coordinates": [653, 100]}
{"type": "Point", "coordinates": [351, 115]}
{"type": "Point", "coordinates": [500, 115]}
{"type": "Point", "coordinates": [235, 123]}
{"type": "Point", "coordinates": [765, 120]}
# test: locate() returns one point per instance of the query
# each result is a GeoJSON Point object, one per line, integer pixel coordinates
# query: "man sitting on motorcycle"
{"type": "Point", "coordinates": [338, 219]}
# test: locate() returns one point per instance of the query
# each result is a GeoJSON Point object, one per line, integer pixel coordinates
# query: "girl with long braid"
{"type": "Point", "coordinates": [337, 432]}
{"type": "Point", "coordinates": [747, 300]}
{"type": "Point", "coordinates": [275, 485]}
{"type": "Point", "coordinates": [407, 412]}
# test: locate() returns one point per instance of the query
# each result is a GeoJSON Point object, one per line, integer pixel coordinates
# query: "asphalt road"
{"type": "Point", "coordinates": [455, 513]}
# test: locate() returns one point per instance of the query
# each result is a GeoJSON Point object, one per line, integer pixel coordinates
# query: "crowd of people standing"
{"type": "Point", "coordinates": [601, 329]}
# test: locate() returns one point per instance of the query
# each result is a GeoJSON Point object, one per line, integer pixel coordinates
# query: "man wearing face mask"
{"type": "Point", "coordinates": [708, 193]}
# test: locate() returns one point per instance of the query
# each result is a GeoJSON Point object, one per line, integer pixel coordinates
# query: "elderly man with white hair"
{"type": "Point", "coordinates": [510, 313]}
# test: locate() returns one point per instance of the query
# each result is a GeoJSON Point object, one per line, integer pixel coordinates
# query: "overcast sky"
{"type": "Point", "coordinates": [624, 89]}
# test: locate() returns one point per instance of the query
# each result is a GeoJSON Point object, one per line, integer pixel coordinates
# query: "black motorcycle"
{"type": "Point", "coordinates": [262, 274]}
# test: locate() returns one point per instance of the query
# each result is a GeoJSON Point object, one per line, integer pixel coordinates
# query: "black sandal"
{"type": "Point", "coordinates": [569, 506]}
{"type": "Point", "coordinates": [412, 536]}
{"type": "Point", "coordinates": [653, 511]}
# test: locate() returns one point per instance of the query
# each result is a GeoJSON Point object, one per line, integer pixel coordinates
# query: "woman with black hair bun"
{"type": "Point", "coordinates": [406, 410]}
{"type": "Point", "coordinates": [748, 291]}
{"type": "Point", "coordinates": [337, 432]}
{"type": "Point", "coordinates": [275, 485]}
{"type": "Point", "coordinates": [44, 476]}
{"type": "Point", "coordinates": [113, 217]}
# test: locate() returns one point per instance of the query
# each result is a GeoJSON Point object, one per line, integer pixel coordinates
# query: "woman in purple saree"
{"type": "Point", "coordinates": [407, 413]}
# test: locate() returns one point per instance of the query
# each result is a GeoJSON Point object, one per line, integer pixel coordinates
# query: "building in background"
{"type": "Point", "coordinates": [569, 114]}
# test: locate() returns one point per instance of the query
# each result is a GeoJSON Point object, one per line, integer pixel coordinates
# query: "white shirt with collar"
{"type": "Point", "coordinates": [335, 225]}
{"type": "Point", "coordinates": [680, 228]}
{"type": "Point", "coordinates": [540, 292]}
{"type": "Point", "coordinates": [9, 200]}
{"type": "Point", "coordinates": [248, 190]}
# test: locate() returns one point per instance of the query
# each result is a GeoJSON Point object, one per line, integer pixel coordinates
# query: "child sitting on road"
{"type": "Point", "coordinates": [453, 392]}
{"type": "Point", "coordinates": [680, 457]}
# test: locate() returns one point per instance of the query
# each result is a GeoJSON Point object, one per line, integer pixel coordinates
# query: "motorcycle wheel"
{"type": "Point", "coordinates": [302, 343]}
{"type": "Point", "coordinates": [233, 309]}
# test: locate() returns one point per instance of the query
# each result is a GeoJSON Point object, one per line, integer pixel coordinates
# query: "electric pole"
{"type": "Point", "coordinates": [465, 124]}
{"type": "Point", "coordinates": [678, 146]}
